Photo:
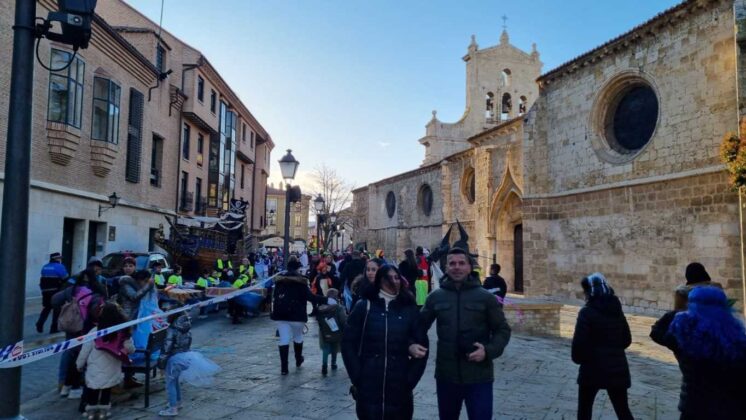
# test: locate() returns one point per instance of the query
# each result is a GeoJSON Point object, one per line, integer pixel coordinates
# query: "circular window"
{"type": "Point", "coordinates": [425, 199]}
{"type": "Point", "coordinates": [390, 204]}
{"type": "Point", "coordinates": [632, 122]}
{"type": "Point", "coordinates": [624, 117]}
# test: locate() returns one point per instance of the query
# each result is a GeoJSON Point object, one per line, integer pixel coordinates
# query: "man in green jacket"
{"type": "Point", "coordinates": [471, 332]}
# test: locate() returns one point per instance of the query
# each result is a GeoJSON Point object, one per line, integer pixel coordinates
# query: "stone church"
{"type": "Point", "coordinates": [609, 162]}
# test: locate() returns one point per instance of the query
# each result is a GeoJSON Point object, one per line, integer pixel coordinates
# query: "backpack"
{"type": "Point", "coordinates": [74, 312]}
{"type": "Point", "coordinates": [330, 329]}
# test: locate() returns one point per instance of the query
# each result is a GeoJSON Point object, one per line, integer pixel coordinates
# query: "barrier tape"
{"type": "Point", "coordinates": [13, 355]}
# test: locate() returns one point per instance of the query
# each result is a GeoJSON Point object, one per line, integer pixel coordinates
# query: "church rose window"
{"type": "Point", "coordinates": [632, 122]}
{"type": "Point", "coordinates": [390, 204]}
{"type": "Point", "coordinates": [425, 199]}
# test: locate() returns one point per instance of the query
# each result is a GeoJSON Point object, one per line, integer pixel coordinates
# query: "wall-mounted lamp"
{"type": "Point", "coordinates": [113, 201]}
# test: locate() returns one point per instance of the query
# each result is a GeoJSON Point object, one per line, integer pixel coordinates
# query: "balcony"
{"type": "Point", "coordinates": [186, 202]}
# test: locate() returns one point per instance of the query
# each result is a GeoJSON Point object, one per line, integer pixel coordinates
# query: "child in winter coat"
{"type": "Point", "coordinates": [332, 318]}
{"type": "Point", "coordinates": [102, 361]}
{"type": "Point", "coordinates": [181, 363]}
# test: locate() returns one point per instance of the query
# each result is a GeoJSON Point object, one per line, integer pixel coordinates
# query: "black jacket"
{"type": "Point", "coordinates": [410, 273]}
{"type": "Point", "coordinates": [376, 356]}
{"type": "Point", "coordinates": [496, 282]}
{"type": "Point", "coordinates": [709, 389]}
{"type": "Point", "coordinates": [289, 297]}
{"type": "Point", "coordinates": [601, 335]}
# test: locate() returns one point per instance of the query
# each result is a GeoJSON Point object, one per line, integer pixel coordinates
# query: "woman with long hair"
{"type": "Point", "coordinates": [375, 349]}
{"type": "Point", "coordinates": [710, 344]}
{"type": "Point", "coordinates": [364, 280]}
{"type": "Point", "coordinates": [601, 336]}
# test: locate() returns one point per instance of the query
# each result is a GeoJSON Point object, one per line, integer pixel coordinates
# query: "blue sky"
{"type": "Point", "coordinates": [352, 83]}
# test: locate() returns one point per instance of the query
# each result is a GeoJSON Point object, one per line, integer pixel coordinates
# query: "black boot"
{"type": "Point", "coordinates": [324, 370]}
{"type": "Point", "coordinates": [284, 351]}
{"type": "Point", "coordinates": [298, 350]}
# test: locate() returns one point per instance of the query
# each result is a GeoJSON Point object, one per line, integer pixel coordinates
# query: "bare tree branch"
{"type": "Point", "coordinates": [337, 195]}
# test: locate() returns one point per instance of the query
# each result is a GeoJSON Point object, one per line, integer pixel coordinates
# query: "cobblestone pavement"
{"type": "Point", "coordinates": [535, 379]}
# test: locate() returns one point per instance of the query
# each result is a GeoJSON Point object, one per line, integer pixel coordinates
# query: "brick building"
{"type": "Point", "coordinates": [613, 168]}
{"type": "Point", "coordinates": [275, 217]}
{"type": "Point", "coordinates": [112, 122]}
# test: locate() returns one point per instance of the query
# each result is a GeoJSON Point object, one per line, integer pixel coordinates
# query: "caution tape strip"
{"type": "Point", "coordinates": [12, 355]}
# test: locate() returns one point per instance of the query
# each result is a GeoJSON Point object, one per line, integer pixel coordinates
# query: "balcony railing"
{"type": "Point", "coordinates": [187, 201]}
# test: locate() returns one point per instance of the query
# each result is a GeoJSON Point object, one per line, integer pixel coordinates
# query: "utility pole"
{"type": "Point", "coordinates": [14, 225]}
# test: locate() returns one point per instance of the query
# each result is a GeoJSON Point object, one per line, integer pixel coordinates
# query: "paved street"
{"type": "Point", "coordinates": [535, 380]}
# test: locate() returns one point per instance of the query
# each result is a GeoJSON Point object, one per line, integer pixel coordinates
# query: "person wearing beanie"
{"type": "Point", "coordinates": [598, 345]}
{"type": "Point", "coordinates": [289, 298]}
{"type": "Point", "coordinates": [696, 276]}
{"type": "Point", "coordinates": [332, 318]}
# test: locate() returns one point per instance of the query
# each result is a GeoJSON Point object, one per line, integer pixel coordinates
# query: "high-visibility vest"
{"type": "Point", "coordinates": [202, 282]}
{"type": "Point", "coordinates": [159, 279]}
{"type": "Point", "coordinates": [175, 280]}
{"type": "Point", "coordinates": [213, 281]}
{"type": "Point", "coordinates": [242, 269]}
{"type": "Point", "coordinates": [221, 264]}
{"type": "Point", "coordinates": [239, 282]}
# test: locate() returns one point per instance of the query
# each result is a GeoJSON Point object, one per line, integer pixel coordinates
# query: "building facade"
{"type": "Point", "coordinates": [106, 120]}
{"type": "Point", "coordinates": [275, 216]}
{"type": "Point", "coordinates": [614, 168]}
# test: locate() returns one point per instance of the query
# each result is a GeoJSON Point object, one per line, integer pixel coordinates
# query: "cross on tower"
{"type": "Point", "coordinates": [505, 22]}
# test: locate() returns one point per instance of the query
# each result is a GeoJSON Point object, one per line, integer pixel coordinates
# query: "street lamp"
{"type": "Point", "coordinates": [288, 167]}
{"type": "Point", "coordinates": [113, 201]}
{"type": "Point", "coordinates": [318, 205]}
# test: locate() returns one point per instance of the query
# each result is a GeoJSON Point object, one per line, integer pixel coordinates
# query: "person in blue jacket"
{"type": "Point", "coordinates": [53, 275]}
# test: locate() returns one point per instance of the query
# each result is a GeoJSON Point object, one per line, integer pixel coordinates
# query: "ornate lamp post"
{"type": "Point", "coordinates": [288, 167]}
{"type": "Point", "coordinates": [318, 205]}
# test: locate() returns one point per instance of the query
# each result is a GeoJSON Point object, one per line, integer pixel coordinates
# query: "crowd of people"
{"type": "Point", "coordinates": [377, 314]}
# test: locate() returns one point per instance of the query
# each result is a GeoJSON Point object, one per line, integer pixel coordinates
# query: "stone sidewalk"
{"type": "Point", "coordinates": [535, 379]}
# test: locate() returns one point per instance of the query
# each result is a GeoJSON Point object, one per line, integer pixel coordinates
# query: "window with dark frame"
{"type": "Point", "coordinates": [243, 171]}
{"type": "Point", "coordinates": [184, 191]}
{"type": "Point", "coordinates": [213, 101]}
{"type": "Point", "coordinates": [156, 161]}
{"type": "Point", "coordinates": [200, 89]}
{"type": "Point", "coordinates": [200, 148]}
{"type": "Point", "coordinates": [185, 141]}
{"type": "Point", "coordinates": [105, 120]}
{"type": "Point", "coordinates": [633, 119]}
{"type": "Point", "coordinates": [425, 199]}
{"type": "Point", "coordinates": [65, 103]}
{"type": "Point", "coordinates": [252, 140]}
{"type": "Point", "coordinates": [390, 204]}
{"type": "Point", "coordinates": [160, 58]}
{"type": "Point", "coordinates": [198, 195]}
{"type": "Point", "coordinates": [243, 133]}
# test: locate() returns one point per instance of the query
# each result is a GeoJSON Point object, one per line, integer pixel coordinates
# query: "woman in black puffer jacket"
{"type": "Point", "coordinates": [289, 298]}
{"type": "Point", "coordinates": [601, 335]}
{"type": "Point", "coordinates": [375, 349]}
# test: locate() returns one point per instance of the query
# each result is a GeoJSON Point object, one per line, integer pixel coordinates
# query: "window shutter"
{"type": "Point", "coordinates": [134, 136]}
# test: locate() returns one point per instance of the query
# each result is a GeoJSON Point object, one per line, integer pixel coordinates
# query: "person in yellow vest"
{"type": "Point", "coordinates": [214, 279]}
{"type": "Point", "coordinates": [158, 278]}
{"type": "Point", "coordinates": [235, 310]}
{"type": "Point", "coordinates": [175, 278]}
{"type": "Point", "coordinates": [224, 266]}
{"type": "Point", "coordinates": [204, 280]}
{"type": "Point", "coordinates": [246, 268]}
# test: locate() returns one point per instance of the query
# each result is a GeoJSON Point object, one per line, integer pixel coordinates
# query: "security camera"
{"type": "Point", "coordinates": [74, 17]}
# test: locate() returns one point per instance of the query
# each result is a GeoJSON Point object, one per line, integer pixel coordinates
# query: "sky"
{"type": "Point", "coordinates": [352, 83]}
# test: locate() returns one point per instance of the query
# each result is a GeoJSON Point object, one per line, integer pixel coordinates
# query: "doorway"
{"type": "Point", "coordinates": [96, 238]}
{"type": "Point", "coordinates": [518, 258]}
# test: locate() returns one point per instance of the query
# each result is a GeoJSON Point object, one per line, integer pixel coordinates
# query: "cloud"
{"type": "Point", "coordinates": [384, 144]}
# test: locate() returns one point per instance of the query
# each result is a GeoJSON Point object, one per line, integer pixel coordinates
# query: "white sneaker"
{"type": "Point", "coordinates": [169, 412]}
{"type": "Point", "coordinates": [75, 394]}
{"type": "Point", "coordinates": [64, 391]}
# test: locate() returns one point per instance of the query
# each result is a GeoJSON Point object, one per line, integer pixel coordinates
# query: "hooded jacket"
{"type": "Point", "coordinates": [465, 315]}
{"type": "Point", "coordinates": [130, 294]}
{"type": "Point", "coordinates": [289, 297]}
{"type": "Point", "coordinates": [102, 369]}
{"type": "Point", "coordinates": [601, 335]}
{"type": "Point", "coordinates": [376, 355]}
{"type": "Point", "coordinates": [178, 339]}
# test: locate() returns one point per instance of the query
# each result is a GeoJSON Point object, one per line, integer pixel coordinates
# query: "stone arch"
{"type": "Point", "coordinates": [468, 184]}
{"type": "Point", "coordinates": [506, 215]}
{"type": "Point", "coordinates": [505, 77]}
{"type": "Point", "coordinates": [506, 107]}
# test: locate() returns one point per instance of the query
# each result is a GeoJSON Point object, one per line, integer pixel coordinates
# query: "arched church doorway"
{"type": "Point", "coordinates": [507, 219]}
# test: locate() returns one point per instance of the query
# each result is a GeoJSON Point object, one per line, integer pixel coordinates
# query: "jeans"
{"type": "Point", "coordinates": [98, 396]}
{"type": "Point", "coordinates": [618, 397]}
{"type": "Point", "coordinates": [172, 387]}
{"type": "Point", "coordinates": [64, 363]}
{"type": "Point", "coordinates": [326, 350]}
{"type": "Point", "coordinates": [478, 398]}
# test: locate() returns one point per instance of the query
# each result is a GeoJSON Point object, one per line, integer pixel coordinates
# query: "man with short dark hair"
{"type": "Point", "coordinates": [471, 332]}
{"type": "Point", "coordinates": [495, 284]}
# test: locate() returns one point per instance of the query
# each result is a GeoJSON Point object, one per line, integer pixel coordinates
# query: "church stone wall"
{"type": "Point", "coordinates": [410, 226]}
{"type": "Point", "coordinates": [639, 221]}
